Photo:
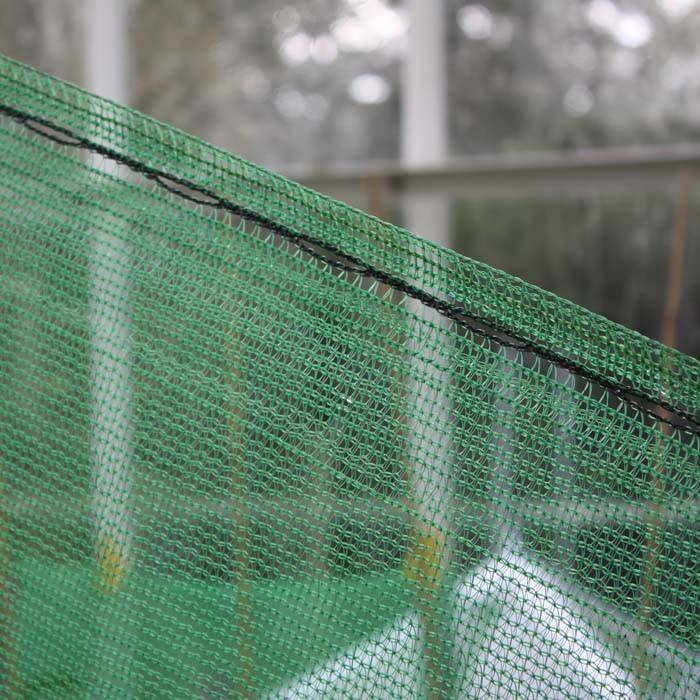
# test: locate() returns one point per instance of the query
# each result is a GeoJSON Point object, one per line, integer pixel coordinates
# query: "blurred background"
{"type": "Point", "coordinates": [556, 139]}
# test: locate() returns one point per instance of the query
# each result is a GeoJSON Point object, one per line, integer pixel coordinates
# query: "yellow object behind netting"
{"type": "Point", "coordinates": [255, 443]}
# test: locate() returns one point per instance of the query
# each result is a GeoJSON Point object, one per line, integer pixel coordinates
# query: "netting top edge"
{"type": "Point", "coordinates": [609, 348]}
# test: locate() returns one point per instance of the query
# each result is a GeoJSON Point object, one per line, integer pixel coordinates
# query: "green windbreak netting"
{"type": "Point", "coordinates": [256, 444]}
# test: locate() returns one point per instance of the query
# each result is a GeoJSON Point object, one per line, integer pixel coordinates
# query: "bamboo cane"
{"type": "Point", "coordinates": [654, 526]}
{"type": "Point", "coordinates": [9, 683]}
{"type": "Point", "coordinates": [244, 685]}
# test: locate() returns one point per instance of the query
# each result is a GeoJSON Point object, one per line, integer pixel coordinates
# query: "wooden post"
{"type": "Point", "coordinates": [105, 65]}
{"type": "Point", "coordinates": [112, 434]}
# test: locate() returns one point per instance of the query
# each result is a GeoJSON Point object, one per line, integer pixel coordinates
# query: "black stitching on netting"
{"type": "Point", "coordinates": [177, 188]}
{"type": "Point", "coordinates": [333, 256]}
{"type": "Point", "coordinates": [342, 262]}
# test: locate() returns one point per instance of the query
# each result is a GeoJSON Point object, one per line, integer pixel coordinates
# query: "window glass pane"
{"type": "Point", "coordinates": [279, 81]}
{"type": "Point", "coordinates": [561, 74]}
{"type": "Point", "coordinates": [46, 34]}
{"type": "Point", "coordinates": [608, 253]}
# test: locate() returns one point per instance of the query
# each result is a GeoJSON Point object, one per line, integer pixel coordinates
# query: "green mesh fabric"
{"type": "Point", "coordinates": [255, 443]}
